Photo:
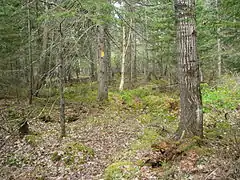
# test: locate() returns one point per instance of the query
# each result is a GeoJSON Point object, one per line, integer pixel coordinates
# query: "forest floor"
{"type": "Point", "coordinates": [128, 137]}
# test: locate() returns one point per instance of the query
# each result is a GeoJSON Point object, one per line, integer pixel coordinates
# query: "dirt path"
{"type": "Point", "coordinates": [107, 133]}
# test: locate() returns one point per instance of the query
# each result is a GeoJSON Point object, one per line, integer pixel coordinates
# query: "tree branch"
{"type": "Point", "coordinates": [130, 26]}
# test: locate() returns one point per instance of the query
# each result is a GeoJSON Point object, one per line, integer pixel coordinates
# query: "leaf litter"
{"type": "Point", "coordinates": [99, 136]}
{"type": "Point", "coordinates": [104, 131]}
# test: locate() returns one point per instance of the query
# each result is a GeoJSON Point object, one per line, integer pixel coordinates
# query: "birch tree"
{"type": "Point", "coordinates": [126, 38]}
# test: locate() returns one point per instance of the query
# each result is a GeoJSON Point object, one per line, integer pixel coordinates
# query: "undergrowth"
{"type": "Point", "coordinates": [157, 113]}
{"type": "Point", "coordinates": [159, 118]}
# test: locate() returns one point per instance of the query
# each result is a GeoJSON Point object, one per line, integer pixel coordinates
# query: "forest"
{"type": "Point", "coordinates": [119, 89]}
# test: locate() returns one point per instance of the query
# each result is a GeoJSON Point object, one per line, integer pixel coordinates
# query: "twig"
{"type": "Point", "coordinates": [211, 173]}
{"type": "Point", "coordinates": [182, 135]}
{"type": "Point", "coordinates": [5, 129]}
{"type": "Point", "coordinates": [130, 26]}
{"type": "Point", "coordinates": [2, 145]}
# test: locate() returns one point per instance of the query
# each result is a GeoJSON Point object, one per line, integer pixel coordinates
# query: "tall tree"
{"type": "Point", "coordinates": [219, 45]}
{"type": "Point", "coordinates": [43, 63]}
{"type": "Point", "coordinates": [134, 57]}
{"type": "Point", "coordinates": [61, 84]}
{"type": "Point", "coordinates": [191, 118]}
{"type": "Point", "coordinates": [30, 54]}
{"type": "Point", "coordinates": [126, 50]}
{"type": "Point", "coordinates": [103, 65]}
{"type": "Point", "coordinates": [104, 49]}
{"type": "Point", "coordinates": [123, 58]}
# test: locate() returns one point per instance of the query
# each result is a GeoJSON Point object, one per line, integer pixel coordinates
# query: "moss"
{"type": "Point", "coordinates": [214, 134]}
{"type": "Point", "coordinates": [163, 104]}
{"type": "Point", "coordinates": [81, 93]}
{"type": "Point", "coordinates": [153, 100]}
{"type": "Point", "coordinates": [16, 160]}
{"type": "Point", "coordinates": [186, 146]}
{"type": "Point", "coordinates": [159, 82]}
{"type": "Point", "coordinates": [41, 178]}
{"type": "Point", "coordinates": [13, 114]}
{"type": "Point", "coordinates": [33, 139]}
{"type": "Point", "coordinates": [145, 118]}
{"type": "Point", "coordinates": [121, 170]}
{"type": "Point", "coordinates": [140, 162]}
{"type": "Point", "coordinates": [196, 144]}
{"type": "Point", "coordinates": [13, 161]}
{"type": "Point", "coordinates": [168, 172]}
{"type": "Point", "coordinates": [56, 157]}
{"type": "Point", "coordinates": [48, 92]}
{"type": "Point", "coordinates": [146, 140]}
{"type": "Point", "coordinates": [72, 118]}
{"type": "Point", "coordinates": [75, 152]}
{"type": "Point", "coordinates": [131, 98]}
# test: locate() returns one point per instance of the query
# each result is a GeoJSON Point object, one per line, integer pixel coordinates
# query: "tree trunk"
{"type": "Point", "coordinates": [134, 61]}
{"type": "Point", "coordinates": [125, 44]}
{"type": "Point", "coordinates": [191, 118]}
{"type": "Point", "coordinates": [30, 55]}
{"type": "Point", "coordinates": [123, 58]}
{"type": "Point", "coordinates": [146, 62]}
{"type": "Point", "coordinates": [44, 44]}
{"type": "Point", "coordinates": [103, 66]}
{"type": "Point", "coordinates": [43, 64]}
{"type": "Point", "coordinates": [61, 85]}
{"type": "Point", "coordinates": [219, 57]}
{"type": "Point", "coordinates": [219, 47]}
{"type": "Point", "coordinates": [129, 53]}
{"type": "Point", "coordinates": [108, 56]}
{"type": "Point", "coordinates": [92, 58]}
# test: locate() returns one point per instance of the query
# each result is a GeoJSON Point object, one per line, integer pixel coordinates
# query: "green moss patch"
{"type": "Point", "coordinates": [81, 93]}
{"type": "Point", "coordinates": [145, 140]}
{"type": "Point", "coordinates": [33, 139]}
{"type": "Point", "coordinates": [121, 170]}
{"type": "Point", "coordinates": [75, 152]}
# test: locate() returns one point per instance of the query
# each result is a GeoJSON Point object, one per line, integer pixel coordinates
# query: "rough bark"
{"type": "Point", "coordinates": [129, 53]}
{"type": "Point", "coordinates": [146, 54]}
{"type": "Point", "coordinates": [219, 48]}
{"type": "Point", "coordinates": [103, 66]}
{"type": "Point", "coordinates": [134, 60]}
{"type": "Point", "coordinates": [191, 118]}
{"type": "Point", "coordinates": [43, 67]}
{"type": "Point", "coordinates": [30, 55]}
{"type": "Point", "coordinates": [219, 57]}
{"type": "Point", "coordinates": [92, 55]}
{"type": "Point", "coordinates": [108, 56]}
{"type": "Point", "coordinates": [61, 85]}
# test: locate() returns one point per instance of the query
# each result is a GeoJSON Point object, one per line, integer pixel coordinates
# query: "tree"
{"type": "Point", "coordinates": [123, 58]}
{"type": "Point", "coordinates": [191, 118]}
{"type": "Point", "coordinates": [30, 55]}
{"type": "Point", "coordinates": [103, 53]}
{"type": "Point", "coordinates": [43, 63]}
{"type": "Point", "coordinates": [103, 65]}
{"type": "Point", "coordinates": [126, 49]}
